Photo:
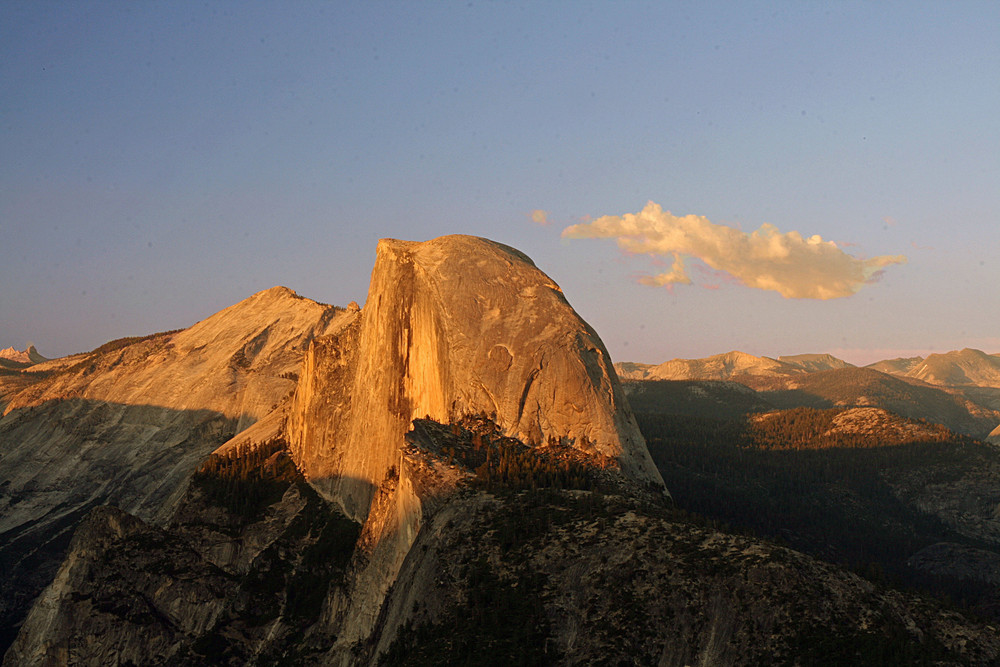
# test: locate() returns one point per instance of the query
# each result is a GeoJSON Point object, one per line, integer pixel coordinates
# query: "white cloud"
{"type": "Point", "coordinates": [787, 263]}
{"type": "Point", "coordinates": [539, 216]}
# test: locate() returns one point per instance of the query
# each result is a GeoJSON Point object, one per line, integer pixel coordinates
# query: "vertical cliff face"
{"type": "Point", "coordinates": [454, 326]}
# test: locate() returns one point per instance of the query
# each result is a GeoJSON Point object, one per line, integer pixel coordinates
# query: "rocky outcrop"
{"type": "Point", "coordinates": [948, 559]}
{"type": "Point", "coordinates": [11, 358]}
{"type": "Point", "coordinates": [244, 565]}
{"type": "Point", "coordinates": [140, 590]}
{"type": "Point", "coordinates": [128, 424]}
{"type": "Point", "coordinates": [499, 495]}
{"type": "Point", "coordinates": [881, 426]}
{"type": "Point", "coordinates": [609, 582]}
{"type": "Point", "coordinates": [965, 497]}
{"type": "Point", "coordinates": [452, 327]}
{"type": "Point", "coordinates": [455, 326]}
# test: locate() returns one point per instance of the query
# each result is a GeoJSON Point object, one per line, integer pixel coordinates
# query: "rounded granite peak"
{"type": "Point", "coordinates": [453, 243]}
{"type": "Point", "coordinates": [457, 326]}
{"type": "Point", "coordinates": [276, 292]}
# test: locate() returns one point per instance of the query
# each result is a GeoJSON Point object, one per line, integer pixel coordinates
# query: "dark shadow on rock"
{"type": "Point", "coordinates": [868, 507]}
{"type": "Point", "coordinates": [719, 399]}
{"type": "Point", "coordinates": [866, 387]}
{"type": "Point", "coordinates": [237, 575]}
{"type": "Point", "coordinates": [63, 457]}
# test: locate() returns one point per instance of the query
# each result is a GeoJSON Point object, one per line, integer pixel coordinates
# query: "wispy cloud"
{"type": "Point", "coordinates": [540, 217]}
{"type": "Point", "coordinates": [788, 263]}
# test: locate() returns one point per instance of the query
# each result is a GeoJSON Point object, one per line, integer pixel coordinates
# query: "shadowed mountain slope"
{"type": "Point", "coordinates": [857, 486]}
{"type": "Point", "coordinates": [867, 387]}
{"type": "Point", "coordinates": [818, 381]}
{"type": "Point", "coordinates": [129, 423]}
{"type": "Point", "coordinates": [697, 398]}
{"type": "Point", "coordinates": [517, 566]}
{"type": "Point", "coordinates": [457, 479]}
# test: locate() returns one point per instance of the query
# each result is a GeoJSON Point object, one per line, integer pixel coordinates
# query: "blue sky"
{"type": "Point", "coordinates": [161, 161]}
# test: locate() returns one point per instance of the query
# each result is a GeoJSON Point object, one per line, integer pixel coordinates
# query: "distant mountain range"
{"type": "Point", "coordinates": [960, 389]}
{"type": "Point", "coordinates": [963, 367]}
{"type": "Point", "coordinates": [17, 359]}
{"type": "Point", "coordinates": [959, 368]}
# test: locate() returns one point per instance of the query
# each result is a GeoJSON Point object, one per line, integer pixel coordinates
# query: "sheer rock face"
{"type": "Point", "coordinates": [453, 326]}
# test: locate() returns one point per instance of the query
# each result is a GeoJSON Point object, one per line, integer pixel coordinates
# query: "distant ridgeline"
{"type": "Point", "coordinates": [960, 390]}
{"type": "Point", "coordinates": [18, 359]}
{"type": "Point", "coordinates": [966, 367]}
